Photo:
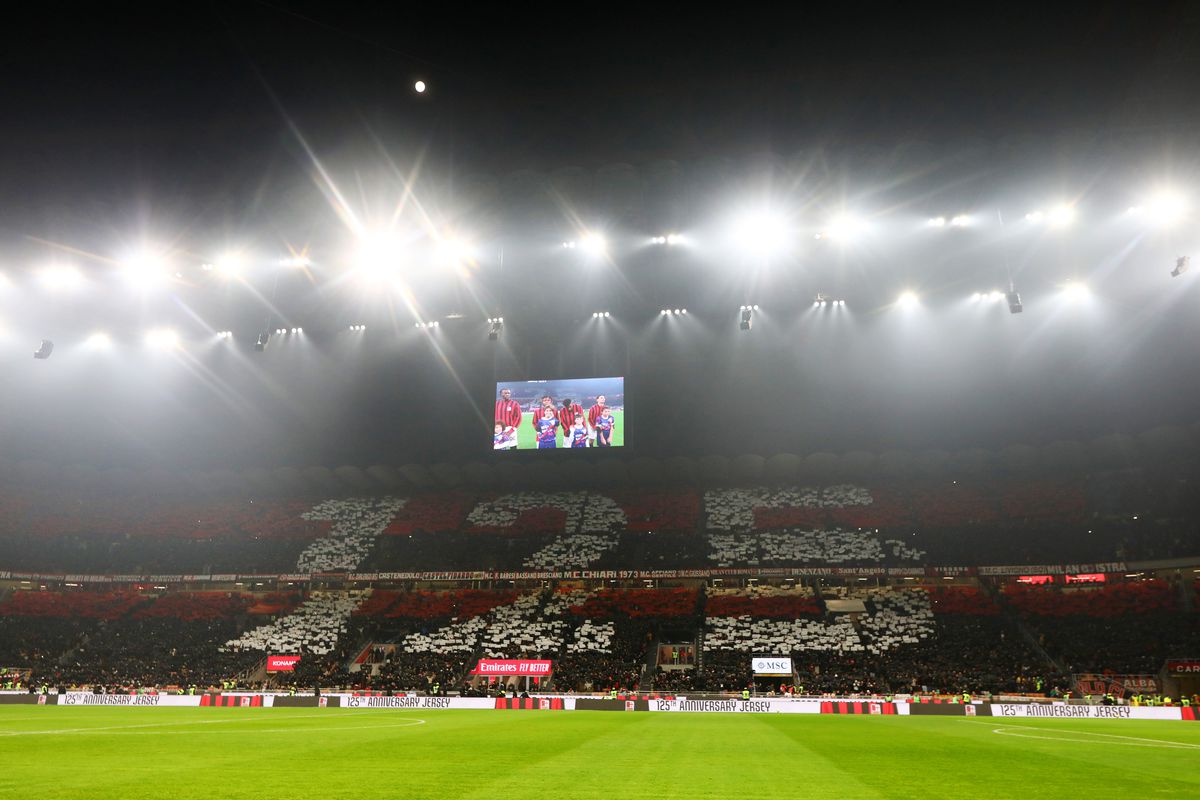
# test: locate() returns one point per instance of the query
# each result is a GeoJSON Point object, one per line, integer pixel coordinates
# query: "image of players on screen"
{"type": "Point", "coordinates": [547, 437]}
{"type": "Point", "coordinates": [505, 438]}
{"type": "Point", "coordinates": [604, 428]}
{"type": "Point", "coordinates": [576, 405]}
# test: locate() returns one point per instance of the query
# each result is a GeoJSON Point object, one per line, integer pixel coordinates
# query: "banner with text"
{"type": "Point", "coordinates": [282, 663]}
{"type": "Point", "coordinates": [776, 666]}
{"type": "Point", "coordinates": [505, 667]}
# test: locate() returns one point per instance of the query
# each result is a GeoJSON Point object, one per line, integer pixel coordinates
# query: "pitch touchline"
{"type": "Point", "coordinates": [254, 732]}
{"type": "Point", "coordinates": [167, 724]}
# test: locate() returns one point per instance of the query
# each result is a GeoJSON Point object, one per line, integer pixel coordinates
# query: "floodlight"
{"type": "Point", "coordinates": [1035, 216]}
{"type": "Point", "coordinates": [674, 238]}
{"type": "Point", "coordinates": [378, 255]}
{"type": "Point", "coordinates": [1075, 291]}
{"type": "Point", "coordinates": [763, 233]}
{"type": "Point", "coordinates": [419, 87]}
{"type": "Point", "coordinates": [961, 221]}
{"type": "Point", "coordinates": [593, 243]}
{"type": "Point", "coordinates": [145, 269]}
{"type": "Point", "coordinates": [907, 299]}
{"type": "Point", "coordinates": [230, 265]}
{"type": "Point", "coordinates": [98, 341]}
{"type": "Point", "coordinates": [937, 222]}
{"type": "Point", "coordinates": [1062, 215]}
{"type": "Point", "coordinates": [1165, 208]}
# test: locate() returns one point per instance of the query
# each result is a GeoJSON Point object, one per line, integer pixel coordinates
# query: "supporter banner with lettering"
{"type": "Point", "coordinates": [1183, 666]}
{"type": "Point", "coordinates": [520, 668]}
{"type": "Point", "coordinates": [1065, 711]}
{"type": "Point", "coordinates": [1116, 685]}
{"type": "Point", "coordinates": [282, 663]}
{"type": "Point", "coordinates": [1054, 569]}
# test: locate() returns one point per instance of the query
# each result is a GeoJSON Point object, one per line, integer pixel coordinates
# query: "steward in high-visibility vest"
{"type": "Point", "coordinates": [1185, 701]}
{"type": "Point", "coordinates": [745, 694]}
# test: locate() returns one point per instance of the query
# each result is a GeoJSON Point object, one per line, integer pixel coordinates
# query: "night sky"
{"type": "Point", "coordinates": [208, 125]}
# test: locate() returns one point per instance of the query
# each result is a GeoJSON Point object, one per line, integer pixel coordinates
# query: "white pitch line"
{"type": "Point", "coordinates": [408, 724]}
{"type": "Point", "coordinates": [1027, 732]}
{"type": "Point", "coordinates": [165, 724]}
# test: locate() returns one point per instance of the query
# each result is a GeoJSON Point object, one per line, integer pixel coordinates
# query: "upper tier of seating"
{"type": "Point", "coordinates": [1002, 522]}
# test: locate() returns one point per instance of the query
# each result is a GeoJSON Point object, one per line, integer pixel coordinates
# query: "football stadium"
{"type": "Point", "coordinates": [874, 328]}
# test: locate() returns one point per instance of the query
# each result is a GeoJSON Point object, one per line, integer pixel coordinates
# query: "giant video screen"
{"type": "Point", "coordinates": [554, 414]}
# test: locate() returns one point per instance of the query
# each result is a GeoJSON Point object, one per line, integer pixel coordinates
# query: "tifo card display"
{"type": "Point", "coordinates": [573, 413]}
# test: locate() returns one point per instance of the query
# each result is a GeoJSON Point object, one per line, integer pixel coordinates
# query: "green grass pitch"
{"type": "Point", "coordinates": [292, 754]}
{"type": "Point", "coordinates": [527, 441]}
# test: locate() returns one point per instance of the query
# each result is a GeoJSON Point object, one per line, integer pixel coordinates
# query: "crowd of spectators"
{"type": "Point", "coordinates": [1104, 518]}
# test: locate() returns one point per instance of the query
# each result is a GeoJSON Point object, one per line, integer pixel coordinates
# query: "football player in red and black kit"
{"type": "Point", "coordinates": [508, 411]}
{"type": "Point", "coordinates": [593, 414]}
{"type": "Point", "coordinates": [538, 412]}
{"type": "Point", "coordinates": [568, 413]}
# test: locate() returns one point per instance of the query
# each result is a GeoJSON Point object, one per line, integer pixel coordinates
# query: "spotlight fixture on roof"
{"type": "Point", "coordinates": [907, 299]}
{"type": "Point", "coordinates": [433, 324]}
{"type": "Point", "coordinates": [746, 318]}
{"type": "Point", "coordinates": [358, 327]}
{"type": "Point", "coordinates": [672, 311]}
{"type": "Point", "coordinates": [224, 334]}
{"type": "Point", "coordinates": [669, 239]}
{"type": "Point", "coordinates": [960, 220]}
{"type": "Point", "coordinates": [1014, 300]}
{"type": "Point", "coordinates": [601, 314]}
{"type": "Point", "coordinates": [263, 339]}
{"type": "Point", "coordinates": [937, 222]}
{"type": "Point", "coordinates": [1181, 266]}
{"type": "Point", "coordinates": [495, 328]}
{"type": "Point", "coordinates": [44, 350]}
